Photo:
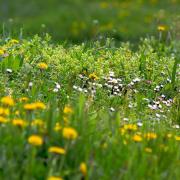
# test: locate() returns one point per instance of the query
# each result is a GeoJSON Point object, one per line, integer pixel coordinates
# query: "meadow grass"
{"type": "Point", "coordinates": [90, 111]}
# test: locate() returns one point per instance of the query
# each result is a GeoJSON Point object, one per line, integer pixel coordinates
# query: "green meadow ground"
{"type": "Point", "coordinates": [90, 111]}
{"type": "Point", "coordinates": [79, 20]}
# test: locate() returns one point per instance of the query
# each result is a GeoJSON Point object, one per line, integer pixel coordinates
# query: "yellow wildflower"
{"type": "Point", "coordinates": [169, 135]}
{"type": "Point", "coordinates": [19, 122]}
{"type": "Point", "coordinates": [35, 140]}
{"type": "Point", "coordinates": [1, 52]}
{"type": "Point", "coordinates": [67, 110]}
{"type": "Point", "coordinates": [66, 120]}
{"type": "Point", "coordinates": [23, 99]}
{"type": "Point", "coordinates": [57, 127]}
{"type": "Point", "coordinates": [150, 136]}
{"type": "Point", "coordinates": [30, 107]}
{"type": "Point", "coordinates": [57, 150]}
{"type": "Point", "coordinates": [69, 133]}
{"type": "Point", "coordinates": [17, 112]}
{"type": "Point", "coordinates": [122, 131]}
{"type": "Point", "coordinates": [34, 106]}
{"type": "Point", "coordinates": [40, 105]}
{"type": "Point", "coordinates": [130, 127]}
{"type": "Point", "coordinates": [4, 111]}
{"type": "Point", "coordinates": [3, 120]}
{"type": "Point", "coordinates": [42, 66]}
{"type": "Point", "coordinates": [137, 138]}
{"type": "Point", "coordinates": [7, 100]}
{"type": "Point", "coordinates": [55, 178]}
{"type": "Point", "coordinates": [148, 150]}
{"type": "Point", "coordinates": [14, 41]}
{"type": "Point", "coordinates": [177, 138]}
{"type": "Point", "coordinates": [83, 168]}
{"type": "Point", "coordinates": [37, 122]}
{"type": "Point", "coordinates": [93, 76]}
{"type": "Point", "coordinates": [161, 28]}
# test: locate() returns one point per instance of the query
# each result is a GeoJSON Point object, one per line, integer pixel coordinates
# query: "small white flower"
{"type": "Point", "coordinates": [9, 70]}
{"type": "Point", "coordinates": [163, 96]}
{"type": "Point", "coordinates": [30, 84]}
{"type": "Point", "coordinates": [114, 81]}
{"type": "Point", "coordinates": [158, 115]}
{"type": "Point", "coordinates": [168, 80]}
{"type": "Point", "coordinates": [136, 80]}
{"type": "Point", "coordinates": [75, 87]}
{"type": "Point", "coordinates": [85, 90]}
{"type": "Point", "coordinates": [131, 83]}
{"type": "Point", "coordinates": [140, 124]}
{"type": "Point", "coordinates": [119, 80]}
{"type": "Point", "coordinates": [58, 85]}
{"type": "Point", "coordinates": [125, 119]}
{"type": "Point", "coordinates": [115, 93]}
{"type": "Point", "coordinates": [55, 90]}
{"type": "Point", "coordinates": [176, 126]}
{"type": "Point", "coordinates": [80, 89]}
{"type": "Point", "coordinates": [153, 107]}
{"type": "Point", "coordinates": [112, 109]}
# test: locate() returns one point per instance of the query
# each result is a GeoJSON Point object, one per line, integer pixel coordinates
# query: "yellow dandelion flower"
{"type": "Point", "coordinates": [137, 138]}
{"type": "Point", "coordinates": [148, 150]}
{"type": "Point", "coordinates": [93, 76]}
{"type": "Point", "coordinates": [122, 131]}
{"type": "Point", "coordinates": [42, 66]}
{"type": "Point", "coordinates": [37, 122]}
{"type": "Point", "coordinates": [35, 140]}
{"type": "Point", "coordinates": [23, 99]}
{"type": "Point", "coordinates": [4, 111]}
{"type": "Point", "coordinates": [57, 127]}
{"type": "Point", "coordinates": [8, 101]}
{"type": "Point", "coordinates": [55, 178]}
{"type": "Point", "coordinates": [34, 106]}
{"type": "Point", "coordinates": [67, 110]}
{"type": "Point", "coordinates": [57, 150]}
{"type": "Point", "coordinates": [177, 138]}
{"type": "Point", "coordinates": [69, 133]}
{"type": "Point", "coordinates": [30, 107]}
{"type": "Point", "coordinates": [161, 28]}
{"type": "Point", "coordinates": [40, 105]}
{"type": "Point", "coordinates": [19, 122]}
{"type": "Point", "coordinates": [3, 120]}
{"type": "Point", "coordinates": [150, 136]}
{"type": "Point", "coordinates": [17, 112]}
{"type": "Point", "coordinates": [83, 168]}
{"type": "Point", "coordinates": [130, 127]}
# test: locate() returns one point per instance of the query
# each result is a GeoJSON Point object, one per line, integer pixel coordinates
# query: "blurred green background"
{"type": "Point", "coordinates": [81, 20]}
